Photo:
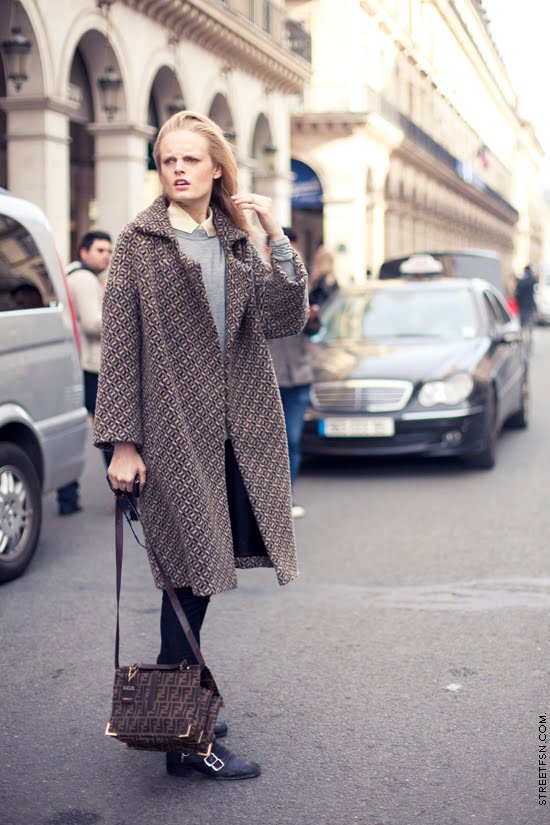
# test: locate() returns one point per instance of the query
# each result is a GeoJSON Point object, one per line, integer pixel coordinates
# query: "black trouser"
{"type": "Point", "coordinates": [68, 495]}
{"type": "Point", "coordinates": [91, 380]}
{"type": "Point", "coordinates": [174, 646]}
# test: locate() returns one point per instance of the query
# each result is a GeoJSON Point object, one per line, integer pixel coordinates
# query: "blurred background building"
{"type": "Point", "coordinates": [379, 127]}
{"type": "Point", "coordinates": [78, 121]}
{"type": "Point", "coordinates": [409, 137]}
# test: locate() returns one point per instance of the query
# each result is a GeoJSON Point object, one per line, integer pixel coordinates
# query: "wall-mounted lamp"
{"type": "Point", "coordinates": [110, 84]}
{"type": "Point", "coordinates": [16, 51]}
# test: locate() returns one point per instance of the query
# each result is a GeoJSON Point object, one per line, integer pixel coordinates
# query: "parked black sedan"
{"type": "Point", "coordinates": [433, 367]}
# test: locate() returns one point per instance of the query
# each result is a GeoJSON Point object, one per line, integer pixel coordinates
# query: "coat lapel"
{"type": "Point", "coordinates": [179, 285]}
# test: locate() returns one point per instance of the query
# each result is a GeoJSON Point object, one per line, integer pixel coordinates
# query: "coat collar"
{"type": "Point", "coordinates": [154, 221]}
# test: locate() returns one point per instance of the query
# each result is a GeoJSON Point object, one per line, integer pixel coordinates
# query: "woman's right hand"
{"type": "Point", "coordinates": [126, 464]}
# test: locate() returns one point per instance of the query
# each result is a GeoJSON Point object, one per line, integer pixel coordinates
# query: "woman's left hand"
{"type": "Point", "coordinates": [263, 207]}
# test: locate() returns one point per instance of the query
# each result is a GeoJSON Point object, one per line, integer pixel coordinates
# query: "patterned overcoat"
{"type": "Point", "coordinates": [164, 386]}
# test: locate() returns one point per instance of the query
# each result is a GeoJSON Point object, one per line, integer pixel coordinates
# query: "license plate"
{"type": "Point", "coordinates": [357, 427]}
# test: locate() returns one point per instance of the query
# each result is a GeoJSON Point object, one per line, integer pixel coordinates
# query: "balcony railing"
{"type": "Point", "coordinates": [274, 21]}
{"type": "Point", "coordinates": [299, 41]}
{"type": "Point", "coordinates": [382, 106]}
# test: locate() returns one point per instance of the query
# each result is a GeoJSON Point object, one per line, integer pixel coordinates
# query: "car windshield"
{"type": "Point", "coordinates": [392, 313]}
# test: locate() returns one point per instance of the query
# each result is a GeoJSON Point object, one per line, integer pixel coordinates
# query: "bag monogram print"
{"type": "Point", "coordinates": [172, 709]}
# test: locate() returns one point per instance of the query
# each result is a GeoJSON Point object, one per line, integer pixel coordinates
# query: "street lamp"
{"type": "Point", "coordinates": [110, 83]}
{"type": "Point", "coordinates": [16, 51]}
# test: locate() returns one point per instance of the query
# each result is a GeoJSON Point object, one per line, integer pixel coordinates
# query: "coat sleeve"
{"type": "Point", "coordinates": [283, 304]}
{"type": "Point", "coordinates": [118, 409]}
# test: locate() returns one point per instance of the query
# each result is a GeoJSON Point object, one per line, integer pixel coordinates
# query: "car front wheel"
{"type": "Point", "coordinates": [485, 457]}
{"type": "Point", "coordinates": [20, 511]}
{"type": "Point", "coordinates": [520, 419]}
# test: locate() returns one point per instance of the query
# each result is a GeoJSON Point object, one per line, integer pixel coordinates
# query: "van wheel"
{"type": "Point", "coordinates": [20, 511]}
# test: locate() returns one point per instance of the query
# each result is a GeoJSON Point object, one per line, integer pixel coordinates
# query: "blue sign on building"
{"type": "Point", "coordinates": [307, 192]}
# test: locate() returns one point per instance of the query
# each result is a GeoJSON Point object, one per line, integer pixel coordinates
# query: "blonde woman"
{"type": "Point", "coordinates": [187, 395]}
{"type": "Point", "coordinates": [322, 280]}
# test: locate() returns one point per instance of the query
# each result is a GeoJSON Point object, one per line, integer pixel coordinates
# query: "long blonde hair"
{"type": "Point", "coordinates": [220, 152]}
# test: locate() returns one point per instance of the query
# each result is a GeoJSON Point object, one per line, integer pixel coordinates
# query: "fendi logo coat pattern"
{"type": "Point", "coordinates": [164, 386]}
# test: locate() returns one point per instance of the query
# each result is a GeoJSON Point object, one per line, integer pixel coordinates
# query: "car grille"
{"type": "Point", "coordinates": [367, 395]}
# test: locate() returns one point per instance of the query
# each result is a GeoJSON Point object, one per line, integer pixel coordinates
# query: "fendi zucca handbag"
{"type": "Point", "coordinates": [161, 707]}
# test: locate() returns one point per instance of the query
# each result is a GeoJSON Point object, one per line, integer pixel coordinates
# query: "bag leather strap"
{"type": "Point", "coordinates": [186, 627]}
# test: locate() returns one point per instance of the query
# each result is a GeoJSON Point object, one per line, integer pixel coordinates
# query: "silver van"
{"type": "Point", "coordinates": [43, 422]}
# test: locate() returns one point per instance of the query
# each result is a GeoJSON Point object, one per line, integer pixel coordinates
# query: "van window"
{"type": "Point", "coordinates": [24, 280]}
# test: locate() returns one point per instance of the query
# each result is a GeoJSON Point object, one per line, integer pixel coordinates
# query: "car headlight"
{"type": "Point", "coordinates": [452, 390]}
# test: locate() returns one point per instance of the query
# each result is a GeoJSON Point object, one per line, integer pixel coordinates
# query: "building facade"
{"type": "Point", "coordinates": [411, 130]}
{"type": "Point", "coordinates": [103, 75]}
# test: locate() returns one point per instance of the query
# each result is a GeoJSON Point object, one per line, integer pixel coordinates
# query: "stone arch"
{"type": "Point", "coordinates": [97, 54]}
{"type": "Point", "coordinates": [221, 114]}
{"type": "Point", "coordinates": [162, 80]}
{"type": "Point", "coordinates": [25, 15]}
{"type": "Point", "coordinates": [166, 97]}
{"type": "Point", "coordinates": [263, 153]}
{"type": "Point", "coordinates": [261, 137]}
{"type": "Point", "coordinates": [99, 46]}
{"type": "Point", "coordinates": [307, 202]}
{"type": "Point", "coordinates": [91, 47]}
{"type": "Point", "coordinates": [81, 147]}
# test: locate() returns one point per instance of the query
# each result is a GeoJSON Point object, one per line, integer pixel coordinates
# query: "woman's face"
{"type": "Point", "coordinates": [187, 171]}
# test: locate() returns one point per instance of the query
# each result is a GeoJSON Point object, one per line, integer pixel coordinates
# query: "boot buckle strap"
{"type": "Point", "coordinates": [214, 762]}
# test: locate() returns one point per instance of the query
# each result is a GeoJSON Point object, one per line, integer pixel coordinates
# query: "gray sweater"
{"type": "Point", "coordinates": [209, 254]}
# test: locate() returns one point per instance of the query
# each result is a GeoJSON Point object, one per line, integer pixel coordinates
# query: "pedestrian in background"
{"type": "Point", "coordinates": [525, 297]}
{"type": "Point", "coordinates": [322, 280]}
{"type": "Point", "coordinates": [294, 372]}
{"type": "Point", "coordinates": [86, 290]}
{"type": "Point", "coordinates": [187, 394]}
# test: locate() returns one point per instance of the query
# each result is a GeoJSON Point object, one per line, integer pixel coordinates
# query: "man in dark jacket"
{"type": "Point", "coordinates": [525, 297]}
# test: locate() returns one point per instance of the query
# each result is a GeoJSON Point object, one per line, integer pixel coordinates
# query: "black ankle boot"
{"type": "Point", "coordinates": [221, 764]}
{"type": "Point", "coordinates": [220, 730]}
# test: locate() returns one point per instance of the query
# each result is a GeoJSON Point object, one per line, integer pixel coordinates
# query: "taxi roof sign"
{"type": "Point", "coordinates": [421, 265]}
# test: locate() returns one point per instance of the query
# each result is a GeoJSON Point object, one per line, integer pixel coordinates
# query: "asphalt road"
{"type": "Point", "coordinates": [400, 680]}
